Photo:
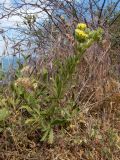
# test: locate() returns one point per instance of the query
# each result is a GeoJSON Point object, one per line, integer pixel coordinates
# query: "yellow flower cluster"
{"type": "Point", "coordinates": [81, 26]}
{"type": "Point", "coordinates": [80, 32]}
{"type": "Point", "coordinates": [86, 37]}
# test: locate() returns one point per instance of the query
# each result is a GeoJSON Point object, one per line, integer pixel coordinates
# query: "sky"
{"type": "Point", "coordinates": [8, 24]}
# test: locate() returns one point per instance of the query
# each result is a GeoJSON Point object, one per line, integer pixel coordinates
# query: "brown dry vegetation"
{"type": "Point", "coordinates": [93, 133]}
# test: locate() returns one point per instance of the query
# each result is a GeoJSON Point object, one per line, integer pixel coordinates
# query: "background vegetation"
{"type": "Point", "coordinates": [63, 103]}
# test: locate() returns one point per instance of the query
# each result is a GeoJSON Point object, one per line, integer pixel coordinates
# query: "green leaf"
{"type": "Point", "coordinates": [4, 113]}
{"type": "Point", "coordinates": [26, 57]}
{"type": "Point", "coordinates": [58, 85]}
{"type": "Point", "coordinates": [30, 121]}
{"type": "Point", "coordinates": [45, 135]}
{"type": "Point", "coordinates": [51, 136]}
{"type": "Point", "coordinates": [58, 122]}
{"type": "Point", "coordinates": [29, 110]}
{"type": "Point", "coordinates": [45, 74]}
{"type": "Point", "coordinates": [1, 129]}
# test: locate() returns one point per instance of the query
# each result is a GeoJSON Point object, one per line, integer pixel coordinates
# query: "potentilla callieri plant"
{"type": "Point", "coordinates": [45, 100]}
{"type": "Point", "coordinates": [86, 37]}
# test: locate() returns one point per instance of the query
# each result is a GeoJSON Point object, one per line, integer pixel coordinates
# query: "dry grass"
{"type": "Point", "coordinates": [93, 135]}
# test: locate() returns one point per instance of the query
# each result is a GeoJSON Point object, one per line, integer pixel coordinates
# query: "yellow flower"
{"type": "Point", "coordinates": [81, 26]}
{"type": "Point", "coordinates": [81, 34]}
